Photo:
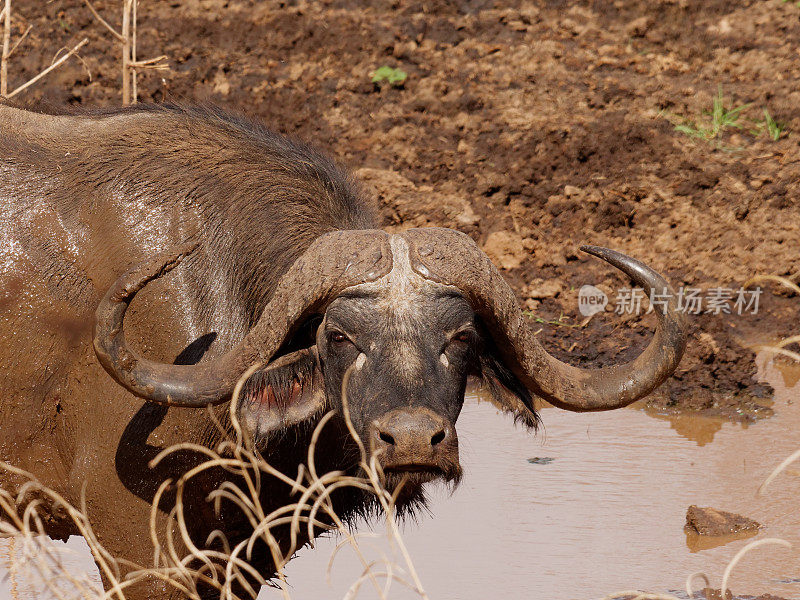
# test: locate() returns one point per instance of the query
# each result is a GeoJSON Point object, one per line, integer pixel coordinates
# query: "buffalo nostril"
{"type": "Point", "coordinates": [385, 437]}
{"type": "Point", "coordinates": [437, 438]}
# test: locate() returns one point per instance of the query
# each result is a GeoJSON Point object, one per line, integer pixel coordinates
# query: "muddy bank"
{"type": "Point", "coordinates": [712, 594]}
{"type": "Point", "coordinates": [718, 374]}
{"type": "Point", "coordinates": [532, 126]}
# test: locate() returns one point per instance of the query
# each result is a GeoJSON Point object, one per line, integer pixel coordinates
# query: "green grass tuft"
{"type": "Point", "coordinates": [392, 76]}
{"type": "Point", "coordinates": [713, 123]}
{"type": "Point", "coordinates": [721, 118]}
{"type": "Point", "coordinates": [774, 128]}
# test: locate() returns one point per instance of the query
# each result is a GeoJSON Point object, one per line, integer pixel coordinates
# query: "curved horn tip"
{"type": "Point", "coordinates": [633, 268]}
{"type": "Point", "coordinates": [601, 252]}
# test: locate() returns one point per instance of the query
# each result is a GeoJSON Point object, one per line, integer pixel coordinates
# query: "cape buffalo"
{"type": "Point", "coordinates": [286, 267]}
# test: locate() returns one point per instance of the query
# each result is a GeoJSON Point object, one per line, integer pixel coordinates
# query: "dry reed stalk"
{"type": "Point", "coordinates": [777, 471]}
{"type": "Point", "coordinates": [127, 40]}
{"type": "Point", "coordinates": [780, 347]}
{"type": "Point", "coordinates": [8, 50]}
{"type": "Point", "coordinates": [690, 579]}
{"type": "Point", "coordinates": [742, 552]}
{"type": "Point", "coordinates": [56, 64]}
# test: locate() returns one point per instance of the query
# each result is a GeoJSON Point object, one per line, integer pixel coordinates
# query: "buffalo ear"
{"type": "Point", "coordinates": [285, 393]}
{"type": "Point", "coordinates": [507, 391]}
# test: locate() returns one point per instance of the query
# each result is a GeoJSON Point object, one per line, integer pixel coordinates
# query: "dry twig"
{"type": "Point", "coordinates": [8, 51]}
{"type": "Point", "coordinates": [6, 48]}
{"type": "Point", "coordinates": [127, 39]}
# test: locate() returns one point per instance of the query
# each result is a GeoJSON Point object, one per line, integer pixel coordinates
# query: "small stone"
{"type": "Point", "coordinates": [505, 249]}
{"type": "Point", "coordinates": [296, 71]}
{"type": "Point", "coordinates": [708, 343]}
{"type": "Point", "coordinates": [639, 27]}
{"type": "Point", "coordinates": [531, 305]}
{"type": "Point", "coordinates": [571, 190]}
{"type": "Point", "coordinates": [221, 84]}
{"type": "Point", "coordinates": [541, 288]}
{"type": "Point", "coordinates": [468, 216]}
{"type": "Point", "coordinates": [711, 521]}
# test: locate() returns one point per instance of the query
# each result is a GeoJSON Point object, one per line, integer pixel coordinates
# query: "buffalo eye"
{"type": "Point", "coordinates": [337, 337]}
{"type": "Point", "coordinates": [463, 337]}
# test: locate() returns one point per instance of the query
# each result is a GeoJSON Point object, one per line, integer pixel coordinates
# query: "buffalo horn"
{"type": "Point", "coordinates": [333, 262]}
{"type": "Point", "coordinates": [452, 258]}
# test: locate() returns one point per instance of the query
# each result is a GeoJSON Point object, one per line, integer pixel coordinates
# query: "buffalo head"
{"type": "Point", "coordinates": [401, 322]}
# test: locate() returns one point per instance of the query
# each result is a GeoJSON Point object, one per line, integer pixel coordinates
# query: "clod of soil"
{"type": "Point", "coordinates": [709, 594]}
{"type": "Point", "coordinates": [714, 522]}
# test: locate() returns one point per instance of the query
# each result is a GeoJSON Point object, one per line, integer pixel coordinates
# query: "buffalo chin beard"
{"type": "Point", "coordinates": [408, 485]}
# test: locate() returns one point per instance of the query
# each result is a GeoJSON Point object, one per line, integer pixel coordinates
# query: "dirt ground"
{"type": "Point", "coordinates": [534, 127]}
{"type": "Point", "coordinates": [710, 594]}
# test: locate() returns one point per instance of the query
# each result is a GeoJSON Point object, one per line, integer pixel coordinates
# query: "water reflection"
{"type": "Point", "coordinates": [698, 429]}
{"type": "Point", "coordinates": [696, 542]}
{"type": "Point", "coordinates": [768, 368]}
{"type": "Point", "coordinates": [606, 514]}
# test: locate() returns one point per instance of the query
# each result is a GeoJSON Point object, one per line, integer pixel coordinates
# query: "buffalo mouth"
{"type": "Point", "coordinates": [412, 477]}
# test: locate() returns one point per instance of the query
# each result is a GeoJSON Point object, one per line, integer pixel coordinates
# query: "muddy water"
{"type": "Point", "coordinates": [24, 579]}
{"type": "Point", "coordinates": [605, 514]}
{"type": "Point", "coordinates": [591, 505]}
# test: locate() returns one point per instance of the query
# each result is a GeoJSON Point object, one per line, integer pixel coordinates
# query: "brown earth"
{"type": "Point", "coordinates": [534, 127]}
{"type": "Point", "coordinates": [705, 520]}
{"type": "Point", "coordinates": [711, 594]}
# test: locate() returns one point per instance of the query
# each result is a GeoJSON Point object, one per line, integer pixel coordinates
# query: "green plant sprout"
{"type": "Point", "coordinates": [774, 128]}
{"type": "Point", "coordinates": [722, 118]}
{"type": "Point", "coordinates": [558, 322]}
{"type": "Point", "coordinates": [392, 76]}
{"type": "Point", "coordinates": [711, 125]}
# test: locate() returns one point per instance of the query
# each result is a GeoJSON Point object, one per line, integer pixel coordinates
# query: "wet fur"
{"type": "Point", "coordinates": [106, 190]}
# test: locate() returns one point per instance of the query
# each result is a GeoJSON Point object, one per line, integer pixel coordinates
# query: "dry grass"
{"type": "Point", "coordinates": [228, 569]}
{"type": "Point", "coordinates": [127, 39]}
{"type": "Point", "coordinates": [690, 591]}
{"type": "Point", "coordinates": [6, 14]}
{"type": "Point", "coordinates": [27, 529]}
